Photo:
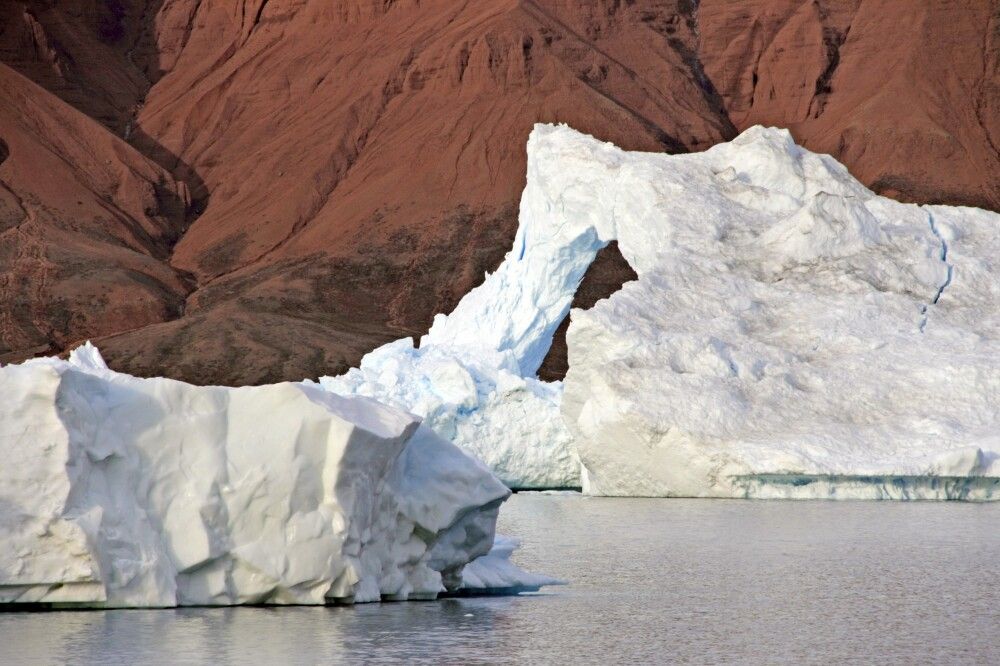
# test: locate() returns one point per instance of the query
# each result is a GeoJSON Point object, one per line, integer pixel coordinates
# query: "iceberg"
{"type": "Point", "coordinates": [494, 573]}
{"type": "Point", "coordinates": [125, 492]}
{"type": "Point", "coordinates": [791, 333]}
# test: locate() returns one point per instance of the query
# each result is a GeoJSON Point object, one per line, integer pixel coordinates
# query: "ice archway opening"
{"type": "Point", "coordinates": [604, 277]}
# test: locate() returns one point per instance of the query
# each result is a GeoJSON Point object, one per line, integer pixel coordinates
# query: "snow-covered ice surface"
{"type": "Point", "coordinates": [119, 491]}
{"type": "Point", "coordinates": [791, 334]}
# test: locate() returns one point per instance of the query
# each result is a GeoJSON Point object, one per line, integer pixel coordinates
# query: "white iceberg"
{"type": "Point", "coordinates": [791, 334]}
{"type": "Point", "coordinates": [122, 492]}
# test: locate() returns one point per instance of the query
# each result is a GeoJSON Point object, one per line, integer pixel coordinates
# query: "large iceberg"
{"type": "Point", "coordinates": [791, 334]}
{"type": "Point", "coordinates": [119, 491]}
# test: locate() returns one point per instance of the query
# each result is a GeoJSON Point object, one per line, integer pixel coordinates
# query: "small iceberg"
{"type": "Point", "coordinates": [118, 491]}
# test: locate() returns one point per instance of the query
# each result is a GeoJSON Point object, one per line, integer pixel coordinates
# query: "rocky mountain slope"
{"type": "Point", "coordinates": [86, 227]}
{"type": "Point", "coordinates": [329, 175]}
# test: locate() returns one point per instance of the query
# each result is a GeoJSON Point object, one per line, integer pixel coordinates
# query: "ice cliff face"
{"type": "Point", "coordinates": [791, 334]}
{"type": "Point", "coordinates": [119, 491]}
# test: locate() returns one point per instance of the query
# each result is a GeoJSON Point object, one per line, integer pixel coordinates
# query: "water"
{"type": "Point", "coordinates": [696, 581]}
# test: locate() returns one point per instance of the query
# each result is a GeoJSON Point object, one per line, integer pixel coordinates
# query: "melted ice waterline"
{"type": "Point", "coordinates": [836, 486]}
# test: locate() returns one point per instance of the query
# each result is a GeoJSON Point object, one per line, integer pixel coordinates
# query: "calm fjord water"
{"type": "Point", "coordinates": [652, 581]}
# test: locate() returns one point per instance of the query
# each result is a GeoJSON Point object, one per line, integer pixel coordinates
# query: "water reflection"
{"type": "Point", "coordinates": [652, 581]}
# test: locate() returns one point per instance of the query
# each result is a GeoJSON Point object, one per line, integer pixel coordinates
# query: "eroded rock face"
{"type": "Point", "coordinates": [893, 90]}
{"type": "Point", "coordinates": [354, 167]}
{"type": "Point", "coordinates": [86, 227]}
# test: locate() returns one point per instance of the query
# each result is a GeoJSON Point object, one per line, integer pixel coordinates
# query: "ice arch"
{"type": "Point", "coordinates": [473, 376]}
{"type": "Point", "coordinates": [773, 291]}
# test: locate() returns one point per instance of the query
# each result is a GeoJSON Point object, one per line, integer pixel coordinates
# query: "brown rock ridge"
{"type": "Point", "coordinates": [355, 166]}
{"type": "Point", "coordinates": [906, 94]}
{"type": "Point", "coordinates": [86, 227]}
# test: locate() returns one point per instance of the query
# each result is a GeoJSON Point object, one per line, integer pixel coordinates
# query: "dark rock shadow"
{"type": "Point", "coordinates": [144, 55]}
{"type": "Point", "coordinates": [178, 168]}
